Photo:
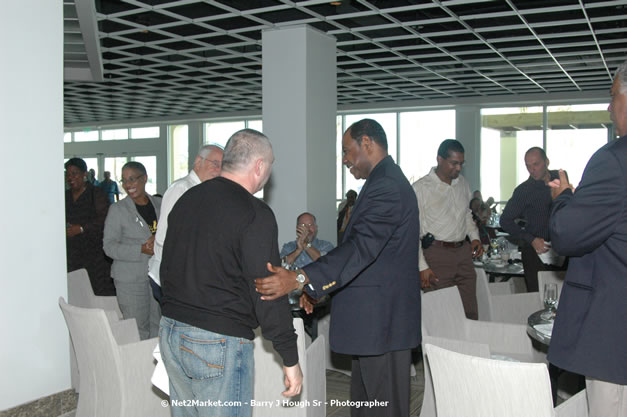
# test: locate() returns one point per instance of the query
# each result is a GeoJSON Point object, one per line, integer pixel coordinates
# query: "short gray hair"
{"type": "Point", "coordinates": [621, 75]}
{"type": "Point", "coordinates": [207, 149]}
{"type": "Point", "coordinates": [243, 148]}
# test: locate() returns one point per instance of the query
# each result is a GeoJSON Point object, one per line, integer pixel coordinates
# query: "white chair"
{"type": "Point", "coordinates": [474, 349]}
{"type": "Point", "coordinates": [550, 277]}
{"type": "Point", "coordinates": [334, 361]}
{"type": "Point", "coordinates": [443, 317]}
{"type": "Point", "coordinates": [472, 386]}
{"type": "Point", "coordinates": [80, 294]}
{"type": "Point", "coordinates": [269, 378]}
{"type": "Point", "coordinates": [504, 308]}
{"type": "Point", "coordinates": [115, 367]}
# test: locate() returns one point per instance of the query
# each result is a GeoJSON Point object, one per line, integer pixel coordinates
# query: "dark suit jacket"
{"type": "Point", "coordinates": [590, 226]}
{"type": "Point", "coordinates": [374, 271]}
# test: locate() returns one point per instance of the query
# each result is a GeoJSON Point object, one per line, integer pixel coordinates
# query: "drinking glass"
{"type": "Point", "coordinates": [550, 299]}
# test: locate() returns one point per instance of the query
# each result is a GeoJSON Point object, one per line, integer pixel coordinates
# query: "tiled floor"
{"type": "Point", "coordinates": [338, 385]}
{"type": "Point", "coordinates": [53, 405]}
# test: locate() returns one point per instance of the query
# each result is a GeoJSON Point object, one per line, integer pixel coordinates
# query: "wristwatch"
{"type": "Point", "coordinates": [300, 278]}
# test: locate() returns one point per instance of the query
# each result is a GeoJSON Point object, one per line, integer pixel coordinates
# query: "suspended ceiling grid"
{"type": "Point", "coordinates": [171, 58]}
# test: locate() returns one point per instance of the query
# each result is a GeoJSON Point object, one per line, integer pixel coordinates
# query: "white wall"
{"type": "Point", "coordinates": [34, 353]}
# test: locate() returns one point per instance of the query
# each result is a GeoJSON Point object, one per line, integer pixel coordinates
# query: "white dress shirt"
{"type": "Point", "coordinates": [444, 210]}
{"type": "Point", "coordinates": [171, 196]}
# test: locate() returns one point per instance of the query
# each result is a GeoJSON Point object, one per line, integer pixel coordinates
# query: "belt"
{"type": "Point", "coordinates": [448, 244]}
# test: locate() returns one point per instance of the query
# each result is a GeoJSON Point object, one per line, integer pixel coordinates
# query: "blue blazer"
{"type": "Point", "coordinates": [590, 331]}
{"type": "Point", "coordinates": [374, 270]}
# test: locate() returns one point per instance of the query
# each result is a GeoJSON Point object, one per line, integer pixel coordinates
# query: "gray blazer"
{"type": "Point", "coordinates": [125, 231]}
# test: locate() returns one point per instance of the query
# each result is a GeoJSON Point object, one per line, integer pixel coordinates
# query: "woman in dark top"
{"type": "Point", "coordinates": [129, 236]}
{"type": "Point", "coordinates": [86, 208]}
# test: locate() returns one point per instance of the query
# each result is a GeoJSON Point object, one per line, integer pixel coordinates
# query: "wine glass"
{"type": "Point", "coordinates": [550, 299]}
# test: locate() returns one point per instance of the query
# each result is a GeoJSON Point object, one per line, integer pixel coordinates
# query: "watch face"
{"type": "Point", "coordinates": [300, 278]}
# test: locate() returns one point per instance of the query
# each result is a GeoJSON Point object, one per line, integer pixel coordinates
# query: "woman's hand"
{"type": "Point", "coordinates": [148, 246]}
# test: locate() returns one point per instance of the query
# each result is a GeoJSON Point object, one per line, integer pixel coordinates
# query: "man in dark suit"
{"type": "Point", "coordinates": [373, 273]}
{"type": "Point", "coordinates": [590, 225]}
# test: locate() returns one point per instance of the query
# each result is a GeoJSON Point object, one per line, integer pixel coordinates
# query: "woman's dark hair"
{"type": "Point", "coordinates": [138, 166]}
{"type": "Point", "coordinates": [76, 162]}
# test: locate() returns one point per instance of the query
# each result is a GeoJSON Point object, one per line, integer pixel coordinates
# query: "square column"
{"type": "Point", "coordinates": [34, 354]}
{"type": "Point", "coordinates": [299, 117]}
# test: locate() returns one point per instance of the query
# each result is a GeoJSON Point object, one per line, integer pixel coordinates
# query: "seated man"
{"type": "Point", "coordinates": [307, 248]}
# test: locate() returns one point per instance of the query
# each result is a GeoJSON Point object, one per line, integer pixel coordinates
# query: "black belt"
{"type": "Point", "coordinates": [448, 244]}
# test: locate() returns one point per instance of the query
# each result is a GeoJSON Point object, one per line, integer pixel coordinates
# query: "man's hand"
{"type": "Point", "coordinates": [293, 380]}
{"type": "Point", "coordinates": [539, 245]}
{"type": "Point", "coordinates": [280, 283]}
{"type": "Point", "coordinates": [426, 277]}
{"type": "Point", "coordinates": [301, 236]}
{"type": "Point", "coordinates": [558, 186]}
{"type": "Point", "coordinates": [477, 248]}
{"type": "Point", "coordinates": [307, 303]}
{"type": "Point", "coordinates": [73, 230]}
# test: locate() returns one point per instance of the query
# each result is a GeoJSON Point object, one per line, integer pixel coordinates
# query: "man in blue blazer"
{"type": "Point", "coordinates": [590, 225]}
{"type": "Point", "coordinates": [373, 273]}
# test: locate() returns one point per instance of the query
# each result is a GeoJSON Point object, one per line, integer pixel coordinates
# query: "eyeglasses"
{"type": "Point", "coordinates": [130, 180]}
{"type": "Point", "coordinates": [215, 163]}
{"type": "Point", "coordinates": [307, 224]}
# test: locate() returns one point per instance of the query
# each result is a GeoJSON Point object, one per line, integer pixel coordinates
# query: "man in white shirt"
{"type": "Point", "coordinates": [207, 165]}
{"type": "Point", "coordinates": [445, 256]}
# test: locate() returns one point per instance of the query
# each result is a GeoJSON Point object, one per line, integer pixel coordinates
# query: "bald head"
{"type": "Point", "coordinates": [248, 155]}
{"type": "Point", "coordinates": [243, 148]}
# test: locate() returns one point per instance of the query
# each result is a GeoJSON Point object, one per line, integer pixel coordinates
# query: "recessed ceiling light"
{"type": "Point", "coordinates": [335, 3]}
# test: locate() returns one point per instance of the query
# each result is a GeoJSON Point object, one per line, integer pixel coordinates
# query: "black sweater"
{"type": "Point", "coordinates": [219, 240]}
{"type": "Point", "coordinates": [531, 201]}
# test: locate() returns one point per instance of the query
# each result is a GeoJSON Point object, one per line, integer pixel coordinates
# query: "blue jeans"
{"type": "Point", "coordinates": [211, 375]}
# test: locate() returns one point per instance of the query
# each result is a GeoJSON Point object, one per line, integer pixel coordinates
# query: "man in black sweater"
{"type": "Point", "coordinates": [531, 202]}
{"type": "Point", "coordinates": [219, 239]}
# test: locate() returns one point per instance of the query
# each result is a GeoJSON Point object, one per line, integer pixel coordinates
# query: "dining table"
{"type": "Point", "coordinates": [540, 326]}
{"type": "Point", "coordinates": [495, 268]}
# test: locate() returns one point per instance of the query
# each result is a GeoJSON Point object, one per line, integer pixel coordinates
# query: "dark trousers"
{"type": "Point", "coordinates": [453, 266]}
{"type": "Point", "coordinates": [532, 264]}
{"type": "Point", "coordinates": [384, 379]}
{"type": "Point", "coordinates": [156, 290]}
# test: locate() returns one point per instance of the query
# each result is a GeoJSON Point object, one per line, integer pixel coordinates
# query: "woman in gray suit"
{"type": "Point", "coordinates": [129, 235]}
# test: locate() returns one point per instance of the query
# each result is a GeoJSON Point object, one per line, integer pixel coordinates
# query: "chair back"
{"type": "Point", "coordinates": [81, 294]}
{"type": "Point", "coordinates": [484, 298]}
{"type": "Point", "coordinates": [443, 313]}
{"type": "Point", "coordinates": [269, 376]}
{"type": "Point", "coordinates": [335, 361]}
{"type": "Point", "coordinates": [98, 360]}
{"type": "Point", "coordinates": [475, 349]}
{"type": "Point", "coordinates": [478, 387]}
{"type": "Point", "coordinates": [550, 277]}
